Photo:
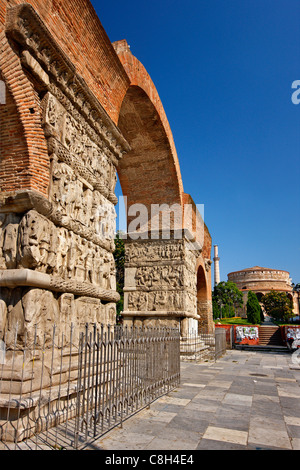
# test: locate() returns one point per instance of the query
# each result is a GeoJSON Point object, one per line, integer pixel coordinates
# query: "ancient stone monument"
{"type": "Point", "coordinates": [262, 280]}
{"type": "Point", "coordinates": [58, 177]}
{"type": "Point", "coordinates": [77, 111]}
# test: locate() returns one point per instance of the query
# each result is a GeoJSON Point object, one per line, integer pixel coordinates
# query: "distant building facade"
{"type": "Point", "coordinates": [262, 280]}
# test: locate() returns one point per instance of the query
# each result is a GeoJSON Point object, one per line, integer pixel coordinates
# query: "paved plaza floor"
{"type": "Point", "coordinates": [246, 400]}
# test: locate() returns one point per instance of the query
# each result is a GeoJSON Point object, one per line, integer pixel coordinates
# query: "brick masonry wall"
{"type": "Point", "coordinates": [24, 156]}
{"type": "Point", "coordinates": [14, 154]}
{"type": "Point", "coordinates": [79, 32]}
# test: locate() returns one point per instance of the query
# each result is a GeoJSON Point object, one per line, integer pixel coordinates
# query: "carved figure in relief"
{"type": "Point", "coordinates": [103, 169]}
{"type": "Point", "coordinates": [80, 261]}
{"type": "Point", "coordinates": [52, 255]}
{"type": "Point", "coordinates": [142, 302]}
{"type": "Point", "coordinates": [30, 229]}
{"type": "Point", "coordinates": [62, 175]}
{"type": "Point", "coordinates": [70, 132]}
{"type": "Point", "coordinates": [72, 254]}
{"type": "Point", "coordinates": [67, 311]}
{"type": "Point", "coordinates": [133, 253]}
{"type": "Point", "coordinates": [93, 159]}
{"type": "Point", "coordinates": [177, 301]}
{"type": "Point", "coordinates": [44, 244]}
{"type": "Point", "coordinates": [89, 263]}
{"type": "Point", "coordinates": [137, 301]}
{"type": "Point", "coordinates": [97, 214]}
{"type": "Point", "coordinates": [111, 315]}
{"type": "Point", "coordinates": [40, 313]}
{"type": "Point", "coordinates": [151, 300]}
{"type": "Point", "coordinates": [109, 221]}
{"type": "Point", "coordinates": [62, 250]}
{"type": "Point", "coordinates": [55, 115]}
{"type": "Point", "coordinates": [160, 300]}
{"type": "Point", "coordinates": [165, 272]}
{"type": "Point", "coordinates": [190, 279]}
{"type": "Point", "coordinates": [9, 248]}
{"type": "Point", "coordinates": [131, 300]}
{"type": "Point", "coordinates": [143, 277]}
{"type": "Point", "coordinates": [74, 196]}
{"type": "Point", "coordinates": [87, 207]}
{"type": "Point", "coordinates": [107, 272]}
{"type": "Point", "coordinates": [97, 267]}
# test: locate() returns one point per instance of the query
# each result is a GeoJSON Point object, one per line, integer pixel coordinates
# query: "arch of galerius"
{"type": "Point", "coordinates": [77, 111]}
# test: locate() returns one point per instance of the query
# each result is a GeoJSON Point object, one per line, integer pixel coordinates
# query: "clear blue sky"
{"type": "Point", "coordinates": [224, 70]}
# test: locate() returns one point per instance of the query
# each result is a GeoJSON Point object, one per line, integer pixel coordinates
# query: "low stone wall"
{"type": "Point", "coordinates": [241, 334]}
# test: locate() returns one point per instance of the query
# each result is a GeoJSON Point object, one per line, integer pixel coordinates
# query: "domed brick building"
{"type": "Point", "coordinates": [262, 280]}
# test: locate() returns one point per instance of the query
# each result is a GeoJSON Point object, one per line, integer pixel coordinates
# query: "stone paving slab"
{"type": "Point", "coordinates": [247, 400]}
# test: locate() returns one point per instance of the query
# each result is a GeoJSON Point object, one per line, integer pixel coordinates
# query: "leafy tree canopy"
{"type": "Point", "coordinates": [278, 305]}
{"type": "Point", "coordinates": [226, 297]}
{"type": "Point", "coordinates": [119, 256]}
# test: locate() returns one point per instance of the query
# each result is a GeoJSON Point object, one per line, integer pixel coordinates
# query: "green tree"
{"type": "Point", "coordinates": [253, 309]}
{"type": "Point", "coordinates": [278, 305]}
{"type": "Point", "coordinates": [119, 256]}
{"type": "Point", "coordinates": [226, 297]}
{"type": "Point", "coordinates": [216, 309]}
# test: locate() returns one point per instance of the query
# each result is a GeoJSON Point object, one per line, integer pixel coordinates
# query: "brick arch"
{"type": "Point", "coordinates": [150, 172]}
{"type": "Point", "coordinates": [27, 154]}
{"type": "Point", "coordinates": [204, 302]}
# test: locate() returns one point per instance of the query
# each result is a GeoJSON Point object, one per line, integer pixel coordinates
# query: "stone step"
{"type": "Point", "coordinates": [260, 347]}
{"type": "Point", "coordinates": [270, 335]}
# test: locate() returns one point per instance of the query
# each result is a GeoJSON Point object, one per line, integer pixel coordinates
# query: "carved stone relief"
{"type": "Point", "coordinates": [155, 301]}
{"type": "Point", "coordinates": [154, 277]}
{"type": "Point", "coordinates": [156, 251]}
{"type": "Point", "coordinates": [9, 224]}
{"type": "Point", "coordinates": [34, 312]}
{"type": "Point", "coordinates": [71, 140]}
{"type": "Point", "coordinates": [160, 276]}
{"type": "Point", "coordinates": [72, 253]}
{"type": "Point", "coordinates": [36, 243]}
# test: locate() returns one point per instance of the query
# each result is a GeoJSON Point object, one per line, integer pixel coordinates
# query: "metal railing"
{"type": "Point", "coordinates": [204, 345]}
{"type": "Point", "coordinates": [220, 342]}
{"type": "Point", "coordinates": [62, 393]}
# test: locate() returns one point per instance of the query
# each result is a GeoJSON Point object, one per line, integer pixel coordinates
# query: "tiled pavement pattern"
{"type": "Point", "coordinates": [246, 400]}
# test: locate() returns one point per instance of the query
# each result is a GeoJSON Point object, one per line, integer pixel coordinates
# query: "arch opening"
{"type": "Point", "coordinates": [147, 173]}
{"type": "Point", "coordinates": [259, 296]}
{"type": "Point", "coordinates": [203, 303]}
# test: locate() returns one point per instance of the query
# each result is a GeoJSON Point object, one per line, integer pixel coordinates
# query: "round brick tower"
{"type": "Point", "coordinates": [262, 280]}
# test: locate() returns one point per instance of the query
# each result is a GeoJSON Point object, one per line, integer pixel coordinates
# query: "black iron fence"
{"type": "Point", "coordinates": [204, 345]}
{"type": "Point", "coordinates": [220, 342]}
{"type": "Point", "coordinates": [62, 393]}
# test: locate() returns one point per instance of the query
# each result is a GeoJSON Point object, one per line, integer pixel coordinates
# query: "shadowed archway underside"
{"type": "Point", "coordinates": [147, 173]}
